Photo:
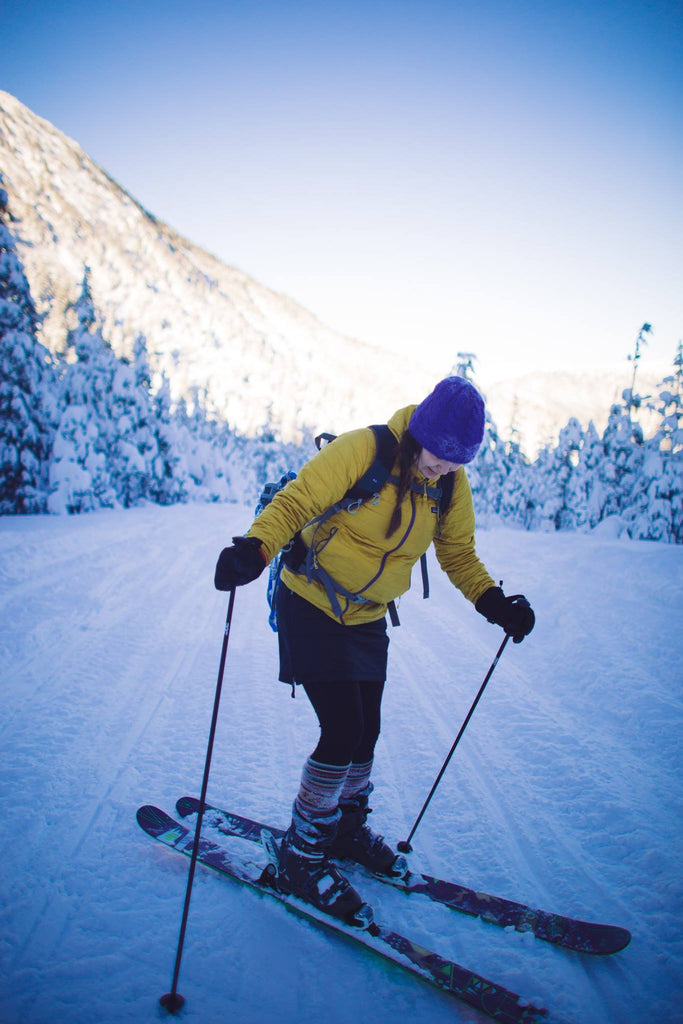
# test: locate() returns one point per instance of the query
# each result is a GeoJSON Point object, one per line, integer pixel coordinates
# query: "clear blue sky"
{"type": "Point", "coordinates": [498, 177]}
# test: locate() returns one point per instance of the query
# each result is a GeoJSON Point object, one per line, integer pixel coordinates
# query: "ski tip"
{"type": "Point", "coordinates": [155, 821]}
{"type": "Point", "coordinates": [187, 805]}
{"type": "Point", "coordinates": [600, 939]}
{"type": "Point", "coordinates": [621, 938]}
{"type": "Point", "coordinates": [147, 814]}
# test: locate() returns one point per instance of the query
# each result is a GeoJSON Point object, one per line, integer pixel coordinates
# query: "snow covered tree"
{"type": "Point", "coordinates": [464, 367]}
{"type": "Point", "coordinates": [556, 481]}
{"type": "Point", "coordinates": [170, 475]}
{"type": "Point", "coordinates": [670, 437]}
{"type": "Point", "coordinates": [486, 473]}
{"type": "Point", "coordinates": [195, 437]}
{"type": "Point", "coordinates": [80, 477]}
{"type": "Point", "coordinates": [544, 493]}
{"type": "Point", "coordinates": [655, 511]}
{"type": "Point", "coordinates": [514, 503]}
{"type": "Point", "coordinates": [640, 342]}
{"type": "Point", "coordinates": [27, 375]}
{"type": "Point", "coordinates": [141, 367]}
{"type": "Point", "coordinates": [622, 457]}
{"type": "Point", "coordinates": [588, 492]}
{"type": "Point", "coordinates": [132, 444]}
{"type": "Point", "coordinates": [489, 472]}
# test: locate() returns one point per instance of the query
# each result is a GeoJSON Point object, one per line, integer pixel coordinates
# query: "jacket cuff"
{"type": "Point", "coordinates": [259, 545]}
{"type": "Point", "coordinates": [492, 604]}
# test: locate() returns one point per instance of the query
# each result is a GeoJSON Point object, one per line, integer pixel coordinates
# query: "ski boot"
{"type": "Point", "coordinates": [356, 841]}
{"type": "Point", "coordinates": [304, 871]}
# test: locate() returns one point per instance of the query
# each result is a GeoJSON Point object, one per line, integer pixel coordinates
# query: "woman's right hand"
{"type": "Point", "coordinates": [239, 564]}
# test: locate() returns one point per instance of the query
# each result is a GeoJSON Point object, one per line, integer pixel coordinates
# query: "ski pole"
{"type": "Point", "coordinates": [404, 845]}
{"type": "Point", "coordinates": [172, 1001]}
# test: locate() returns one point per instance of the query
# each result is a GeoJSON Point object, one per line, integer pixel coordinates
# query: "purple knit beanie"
{"type": "Point", "coordinates": [449, 423]}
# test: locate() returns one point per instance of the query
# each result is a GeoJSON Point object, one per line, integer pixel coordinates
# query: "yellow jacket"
{"type": "Point", "coordinates": [352, 546]}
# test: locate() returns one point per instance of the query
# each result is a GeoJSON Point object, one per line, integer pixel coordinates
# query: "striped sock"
{"type": "Point", "coordinates": [316, 808]}
{"type": "Point", "coordinates": [358, 781]}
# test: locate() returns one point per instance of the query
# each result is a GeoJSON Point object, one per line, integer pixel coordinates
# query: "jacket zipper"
{"type": "Point", "coordinates": [404, 538]}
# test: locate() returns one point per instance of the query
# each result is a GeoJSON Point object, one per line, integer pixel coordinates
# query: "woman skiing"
{"type": "Point", "coordinates": [331, 613]}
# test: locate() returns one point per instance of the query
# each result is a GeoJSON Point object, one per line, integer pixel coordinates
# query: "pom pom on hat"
{"type": "Point", "coordinates": [449, 423]}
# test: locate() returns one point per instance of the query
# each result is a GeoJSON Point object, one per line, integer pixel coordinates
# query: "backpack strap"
{"type": "Point", "coordinates": [442, 494]}
{"type": "Point", "coordinates": [425, 576]}
{"type": "Point", "coordinates": [447, 488]}
{"type": "Point", "coordinates": [374, 478]}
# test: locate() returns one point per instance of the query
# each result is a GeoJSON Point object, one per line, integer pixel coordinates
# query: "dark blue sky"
{"type": "Point", "coordinates": [499, 177]}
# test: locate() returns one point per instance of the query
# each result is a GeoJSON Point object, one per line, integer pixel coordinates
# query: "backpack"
{"type": "Point", "coordinates": [299, 558]}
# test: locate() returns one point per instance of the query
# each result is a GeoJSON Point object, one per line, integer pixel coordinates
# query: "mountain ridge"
{"type": "Point", "coordinates": [208, 325]}
{"type": "Point", "coordinates": [257, 356]}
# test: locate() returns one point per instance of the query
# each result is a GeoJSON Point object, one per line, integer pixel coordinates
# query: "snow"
{"type": "Point", "coordinates": [563, 793]}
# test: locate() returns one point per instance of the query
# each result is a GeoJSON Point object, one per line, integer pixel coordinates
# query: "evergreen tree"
{"type": "Point", "coordinates": [27, 375]}
{"type": "Point", "coordinates": [464, 367]}
{"type": "Point", "coordinates": [622, 459]}
{"type": "Point", "coordinates": [656, 509]}
{"type": "Point", "coordinates": [80, 469]}
{"type": "Point", "coordinates": [545, 498]}
{"type": "Point", "coordinates": [488, 472]}
{"type": "Point", "coordinates": [589, 493]}
{"type": "Point", "coordinates": [515, 503]}
{"type": "Point", "coordinates": [640, 343]}
{"type": "Point", "coordinates": [132, 444]}
{"type": "Point", "coordinates": [671, 444]}
{"type": "Point", "coordinates": [77, 470]}
{"type": "Point", "coordinates": [564, 474]}
{"type": "Point", "coordinates": [170, 475]}
{"type": "Point", "coordinates": [141, 367]}
{"type": "Point", "coordinates": [135, 448]}
{"type": "Point", "coordinates": [209, 469]}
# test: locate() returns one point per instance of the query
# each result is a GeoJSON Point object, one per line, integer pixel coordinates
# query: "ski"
{"type": "Point", "coordinates": [581, 936]}
{"type": "Point", "coordinates": [495, 1000]}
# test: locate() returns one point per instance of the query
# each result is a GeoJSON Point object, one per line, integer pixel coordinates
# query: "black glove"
{"type": "Point", "coordinates": [514, 614]}
{"type": "Point", "coordinates": [240, 564]}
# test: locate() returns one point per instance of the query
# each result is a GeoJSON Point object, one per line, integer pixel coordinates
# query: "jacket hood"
{"type": "Point", "coordinates": [398, 423]}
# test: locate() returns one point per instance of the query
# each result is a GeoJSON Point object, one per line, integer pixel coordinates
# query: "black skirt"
{"type": "Point", "coordinates": [314, 648]}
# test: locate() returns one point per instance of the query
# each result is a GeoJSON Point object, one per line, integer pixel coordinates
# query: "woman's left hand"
{"type": "Point", "coordinates": [514, 613]}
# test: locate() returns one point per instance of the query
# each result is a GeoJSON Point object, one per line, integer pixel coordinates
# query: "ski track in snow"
{"type": "Point", "coordinates": [563, 793]}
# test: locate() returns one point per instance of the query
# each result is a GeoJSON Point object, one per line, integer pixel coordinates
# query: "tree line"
{"type": "Point", "coordinates": [84, 429]}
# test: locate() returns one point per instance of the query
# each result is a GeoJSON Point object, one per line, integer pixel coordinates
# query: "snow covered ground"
{"type": "Point", "coordinates": [565, 791]}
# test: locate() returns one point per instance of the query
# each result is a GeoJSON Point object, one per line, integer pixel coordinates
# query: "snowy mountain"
{"type": "Point", "coordinates": [535, 407]}
{"type": "Point", "coordinates": [209, 326]}
{"type": "Point", "coordinates": [257, 354]}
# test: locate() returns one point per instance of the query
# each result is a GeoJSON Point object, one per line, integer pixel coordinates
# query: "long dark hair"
{"type": "Point", "coordinates": [406, 453]}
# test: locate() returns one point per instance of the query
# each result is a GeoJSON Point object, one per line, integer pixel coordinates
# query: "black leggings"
{"type": "Point", "coordinates": [349, 717]}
